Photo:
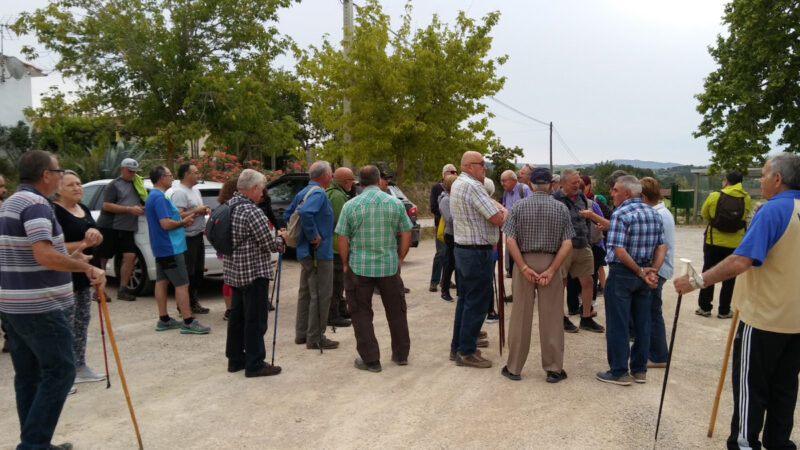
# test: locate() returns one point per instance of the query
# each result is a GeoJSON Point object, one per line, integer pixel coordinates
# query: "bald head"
{"type": "Point", "coordinates": [472, 163]}
{"type": "Point", "coordinates": [344, 177]}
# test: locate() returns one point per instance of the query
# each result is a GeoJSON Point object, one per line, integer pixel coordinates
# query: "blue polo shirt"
{"type": "Point", "coordinates": [767, 226]}
{"type": "Point", "coordinates": [163, 242]}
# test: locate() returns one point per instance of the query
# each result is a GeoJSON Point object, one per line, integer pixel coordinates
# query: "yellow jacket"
{"type": "Point", "coordinates": [722, 239]}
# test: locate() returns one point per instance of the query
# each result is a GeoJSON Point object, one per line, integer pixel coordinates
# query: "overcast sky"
{"type": "Point", "coordinates": [616, 77]}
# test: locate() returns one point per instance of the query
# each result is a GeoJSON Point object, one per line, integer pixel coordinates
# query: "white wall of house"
{"type": "Point", "coordinates": [15, 96]}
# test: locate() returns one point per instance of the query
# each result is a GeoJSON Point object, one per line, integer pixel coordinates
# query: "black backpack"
{"type": "Point", "coordinates": [729, 214]}
{"type": "Point", "coordinates": [219, 230]}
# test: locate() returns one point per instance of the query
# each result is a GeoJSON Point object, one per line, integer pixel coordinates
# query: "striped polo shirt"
{"type": "Point", "coordinates": [26, 287]}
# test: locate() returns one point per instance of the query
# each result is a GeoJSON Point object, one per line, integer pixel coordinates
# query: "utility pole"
{"type": "Point", "coordinates": [347, 11]}
{"type": "Point", "coordinates": [551, 147]}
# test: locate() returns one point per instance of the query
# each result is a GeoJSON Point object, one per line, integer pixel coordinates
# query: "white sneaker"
{"type": "Point", "coordinates": [72, 390]}
{"type": "Point", "coordinates": [84, 374]}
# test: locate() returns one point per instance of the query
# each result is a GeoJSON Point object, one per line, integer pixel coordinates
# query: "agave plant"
{"type": "Point", "coordinates": [108, 166]}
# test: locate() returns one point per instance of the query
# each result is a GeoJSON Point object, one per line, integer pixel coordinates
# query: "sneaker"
{"type": "Point", "coordinates": [171, 325]}
{"type": "Point", "coordinates": [454, 355]}
{"type": "Point", "coordinates": [473, 360]}
{"type": "Point", "coordinates": [374, 366]}
{"type": "Point", "coordinates": [197, 308]}
{"type": "Point", "coordinates": [227, 315]}
{"type": "Point", "coordinates": [656, 365]}
{"type": "Point", "coordinates": [194, 327]}
{"type": "Point", "coordinates": [340, 322]}
{"type": "Point", "coordinates": [446, 296]}
{"type": "Point", "coordinates": [72, 390]}
{"type": "Point", "coordinates": [266, 371]}
{"type": "Point", "coordinates": [124, 294]}
{"type": "Point", "coordinates": [482, 343]}
{"type": "Point", "coordinates": [569, 327]}
{"type": "Point", "coordinates": [433, 287]}
{"type": "Point", "coordinates": [622, 380]}
{"type": "Point", "coordinates": [492, 318]}
{"type": "Point", "coordinates": [702, 312]}
{"type": "Point", "coordinates": [511, 376]}
{"type": "Point", "coordinates": [326, 344]}
{"type": "Point", "coordinates": [555, 377]}
{"type": "Point", "coordinates": [640, 377]}
{"type": "Point", "coordinates": [725, 316]}
{"type": "Point", "coordinates": [84, 374]}
{"type": "Point", "coordinates": [588, 324]}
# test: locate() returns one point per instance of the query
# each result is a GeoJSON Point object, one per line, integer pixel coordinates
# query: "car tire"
{"type": "Point", "coordinates": [140, 284]}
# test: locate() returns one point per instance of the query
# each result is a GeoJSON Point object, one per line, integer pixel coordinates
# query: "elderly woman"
{"type": "Point", "coordinates": [80, 234]}
{"type": "Point", "coordinates": [449, 242]}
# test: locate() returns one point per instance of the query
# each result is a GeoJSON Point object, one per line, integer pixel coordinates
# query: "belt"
{"type": "Point", "coordinates": [475, 247]}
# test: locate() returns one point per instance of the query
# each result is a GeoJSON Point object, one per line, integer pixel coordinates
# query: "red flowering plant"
{"type": "Point", "coordinates": [220, 166]}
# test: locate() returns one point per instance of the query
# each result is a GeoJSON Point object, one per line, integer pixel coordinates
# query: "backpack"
{"type": "Point", "coordinates": [729, 214]}
{"type": "Point", "coordinates": [219, 230]}
{"type": "Point", "coordinates": [293, 227]}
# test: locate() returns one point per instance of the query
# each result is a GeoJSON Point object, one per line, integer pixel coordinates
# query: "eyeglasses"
{"type": "Point", "coordinates": [481, 163]}
{"type": "Point", "coordinates": [454, 172]}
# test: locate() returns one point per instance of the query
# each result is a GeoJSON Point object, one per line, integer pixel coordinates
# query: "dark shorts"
{"type": "Point", "coordinates": [172, 268]}
{"type": "Point", "coordinates": [116, 242]}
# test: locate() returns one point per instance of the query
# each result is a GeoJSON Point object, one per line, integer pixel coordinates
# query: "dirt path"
{"type": "Point", "coordinates": [183, 396]}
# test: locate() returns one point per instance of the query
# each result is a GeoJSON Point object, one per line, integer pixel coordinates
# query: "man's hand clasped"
{"type": "Point", "coordinates": [542, 279]}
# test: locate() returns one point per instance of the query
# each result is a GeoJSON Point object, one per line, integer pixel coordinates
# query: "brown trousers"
{"type": "Point", "coordinates": [551, 313]}
{"type": "Point", "coordinates": [358, 291]}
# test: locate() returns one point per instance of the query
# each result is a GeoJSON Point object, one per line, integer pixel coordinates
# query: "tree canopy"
{"type": "Point", "coordinates": [755, 91]}
{"type": "Point", "coordinates": [415, 95]}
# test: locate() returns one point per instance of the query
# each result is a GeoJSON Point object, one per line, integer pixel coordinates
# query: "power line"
{"type": "Point", "coordinates": [566, 147]}
{"type": "Point", "coordinates": [520, 112]}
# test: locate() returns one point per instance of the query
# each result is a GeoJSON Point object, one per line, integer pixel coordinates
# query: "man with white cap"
{"type": "Point", "coordinates": [118, 222]}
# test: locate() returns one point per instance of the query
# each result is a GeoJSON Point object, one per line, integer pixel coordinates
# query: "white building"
{"type": "Point", "coordinates": [15, 89]}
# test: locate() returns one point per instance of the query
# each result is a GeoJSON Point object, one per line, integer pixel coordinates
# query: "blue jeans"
{"type": "Point", "coordinates": [658, 333]}
{"type": "Point", "coordinates": [626, 297]}
{"type": "Point", "coordinates": [44, 371]}
{"type": "Point", "coordinates": [474, 278]}
{"type": "Point", "coordinates": [438, 261]}
{"type": "Point", "coordinates": [247, 325]}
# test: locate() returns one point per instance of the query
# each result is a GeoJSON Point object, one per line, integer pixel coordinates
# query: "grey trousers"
{"type": "Point", "coordinates": [313, 299]}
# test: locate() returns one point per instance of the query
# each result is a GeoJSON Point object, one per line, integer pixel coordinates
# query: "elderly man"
{"type": "Point", "coordinates": [118, 222]}
{"type": "Point", "coordinates": [438, 260]}
{"type": "Point", "coordinates": [343, 180]}
{"type": "Point", "coordinates": [186, 196]}
{"type": "Point", "coordinates": [315, 253]}
{"type": "Point", "coordinates": [3, 189]}
{"type": "Point", "coordinates": [35, 289]}
{"type": "Point", "coordinates": [476, 218]}
{"type": "Point", "coordinates": [168, 242]}
{"type": "Point", "coordinates": [513, 191]}
{"type": "Point", "coordinates": [539, 237]}
{"type": "Point", "coordinates": [765, 357]}
{"type": "Point", "coordinates": [525, 174]}
{"type": "Point", "coordinates": [636, 250]}
{"type": "Point", "coordinates": [248, 271]}
{"type": "Point", "coordinates": [580, 262]}
{"type": "Point", "coordinates": [371, 257]}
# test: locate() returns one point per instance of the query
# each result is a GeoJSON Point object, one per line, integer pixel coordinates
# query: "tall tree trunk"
{"type": "Point", "coordinates": [170, 156]}
{"type": "Point", "coordinates": [398, 176]}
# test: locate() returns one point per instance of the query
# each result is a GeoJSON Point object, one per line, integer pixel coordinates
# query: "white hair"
{"type": "Point", "coordinates": [447, 168]}
{"type": "Point", "coordinates": [631, 183]}
{"type": "Point", "coordinates": [509, 174]}
{"type": "Point", "coordinates": [488, 184]}
{"type": "Point", "coordinates": [318, 169]}
{"type": "Point", "coordinates": [249, 178]}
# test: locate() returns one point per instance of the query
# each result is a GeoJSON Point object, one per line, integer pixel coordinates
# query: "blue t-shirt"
{"type": "Point", "coordinates": [163, 242]}
{"type": "Point", "coordinates": [767, 226]}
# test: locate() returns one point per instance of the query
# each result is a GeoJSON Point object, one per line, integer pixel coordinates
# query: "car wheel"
{"type": "Point", "coordinates": [140, 283]}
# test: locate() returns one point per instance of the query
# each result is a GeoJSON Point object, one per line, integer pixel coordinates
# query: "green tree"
{"type": "Point", "coordinates": [151, 62]}
{"type": "Point", "coordinates": [502, 159]}
{"type": "Point", "coordinates": [13, 142]}
{"type": "Point", "coordinates": [755, 91]}
{"type": "Point", "coordinates": [416, 95]}
{"type": "Point", "coordinates": [603, 169]}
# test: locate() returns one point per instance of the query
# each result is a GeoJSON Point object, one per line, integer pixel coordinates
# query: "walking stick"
{"type": "Point", "coordinates": [501, 295]}
{"type": "Point", "coordinates": [277, 297]}
{"type": "Point", "coordinates": [103, 337]}
{"type": "Point", "coordinates": [102, 296]}
{"type": "Point", "coordinates": [691, 273]}
{"type": "Point", "coordinates": [722, 373]}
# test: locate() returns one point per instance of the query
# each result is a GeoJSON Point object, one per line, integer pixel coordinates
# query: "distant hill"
{"type": "Point", "coordinates": [655, 165]}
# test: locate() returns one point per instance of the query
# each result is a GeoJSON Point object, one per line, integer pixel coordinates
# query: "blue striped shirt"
{"type": "Point", "coordinates": [637, 228]}
{"type": "Point", "coordinates": [26, 287]}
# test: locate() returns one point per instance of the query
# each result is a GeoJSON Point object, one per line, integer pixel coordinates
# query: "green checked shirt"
{"type": "Point", "coordinates": [371, 221]}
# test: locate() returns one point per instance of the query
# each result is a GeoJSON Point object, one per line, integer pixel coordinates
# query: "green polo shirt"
{"type": "Point", "coordinates": [371, 221]}
{"type": "Point", "coordinates": [338, 198]}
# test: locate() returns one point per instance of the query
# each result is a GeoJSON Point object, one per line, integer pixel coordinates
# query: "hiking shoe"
{"type": "Point", "coordinates": [172, 324]}
{"type": "Point", "coordinates": [588, 324]}
{"type": "Point", "coordinates": [374, 366]}
{"type": "Point", "coordinates": [266, 371]}
{"type": "Point", "coordinates": [340, 322]}
{"type": "Point", "coordinates": [482, 343]}
{"type": "Point", "coordinates": [492, 318]}
{"type": "Point", "coordinates": [433, 287]}
{"type": "Point", "coordinates": [622, 380]}
{"type": "Point", "coordinates": [299, 341]}
{"type": "Point", "coordinates": [656, 365]}
{"type": "Point", "coordinates": [569, 327]}
{"type": "Point", "coordinates": [725, 316]}
{"type": "Point", "coordinates": [702, 312]}
{"type": "Point", "coordinates": [84, 374]}
{"type": "Point", "coordinates": [326, 344]}
{"type": "Point", "coordinates": [511, 376]}
{"type": "Point", "coordinates": [194, 327]}
{"type": "Point", "coordinates": [235, 367]}
{"type": "Point", "coordinates": [124, 294]}
{"type": "Point", "coordinates": [640, 377]}
{"type": "Point", "coordinates": [453, 355]}
{"type": "Point", "coordinates": [446, 296]}
{"type": "Point", "coordinates": [400, 362]}
{"type": "Point", "coordinates": [197, 308]}
{"type": "Point", "coordinates": [555, 377]}
{"type": "Point", "coordinates": [473, 360]}
{"type": "Point", "coordinates": [483, 335]}
{"type": "Point", "coordinates": [227, 315]}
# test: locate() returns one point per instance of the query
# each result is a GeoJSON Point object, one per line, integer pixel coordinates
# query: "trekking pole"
{"type": "Point", "coordinates": [277, 298]}
{"type": "Point", "coordinates": [691, 273]}
{"type": "Point", "coordinates": [103, 337]}
{"type": "Point", "coordinates": [722, 373]}
{"type": "Point", "coordinates": [102, 296]}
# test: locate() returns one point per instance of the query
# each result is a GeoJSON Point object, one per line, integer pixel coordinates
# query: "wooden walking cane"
{"type": "Point", "coordinates": [721, 382]}
{"type": "Point", "coordinates": [102, 295]}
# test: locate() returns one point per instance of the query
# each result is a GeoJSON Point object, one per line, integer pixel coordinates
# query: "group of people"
{"type": "Point", "coordinates": [352, 246]}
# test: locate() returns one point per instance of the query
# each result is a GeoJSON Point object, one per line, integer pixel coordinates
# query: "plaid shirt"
{"type": "Point", "coordinates": [472, 207]}
{"type": "Point", "coordinates": [253, 241]}
{"type": "Point", "coordinates": [637, 228]}
{"type": "Point", "coordinates": [539, 224]}
{"type": "Point", "coordinates": [371, 221]}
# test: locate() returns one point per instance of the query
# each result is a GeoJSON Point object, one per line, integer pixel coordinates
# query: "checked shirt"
{"type": "Point", "coordinates": [371, 221]}
{"type": "Point", "coordinates": [252, 244]}
{"type": "Point", "coordinates": [472, 208]}
{"type": "Point", "coordinates": [539, 223]}
{"type": "Point", "coordinates": [637, 228]}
